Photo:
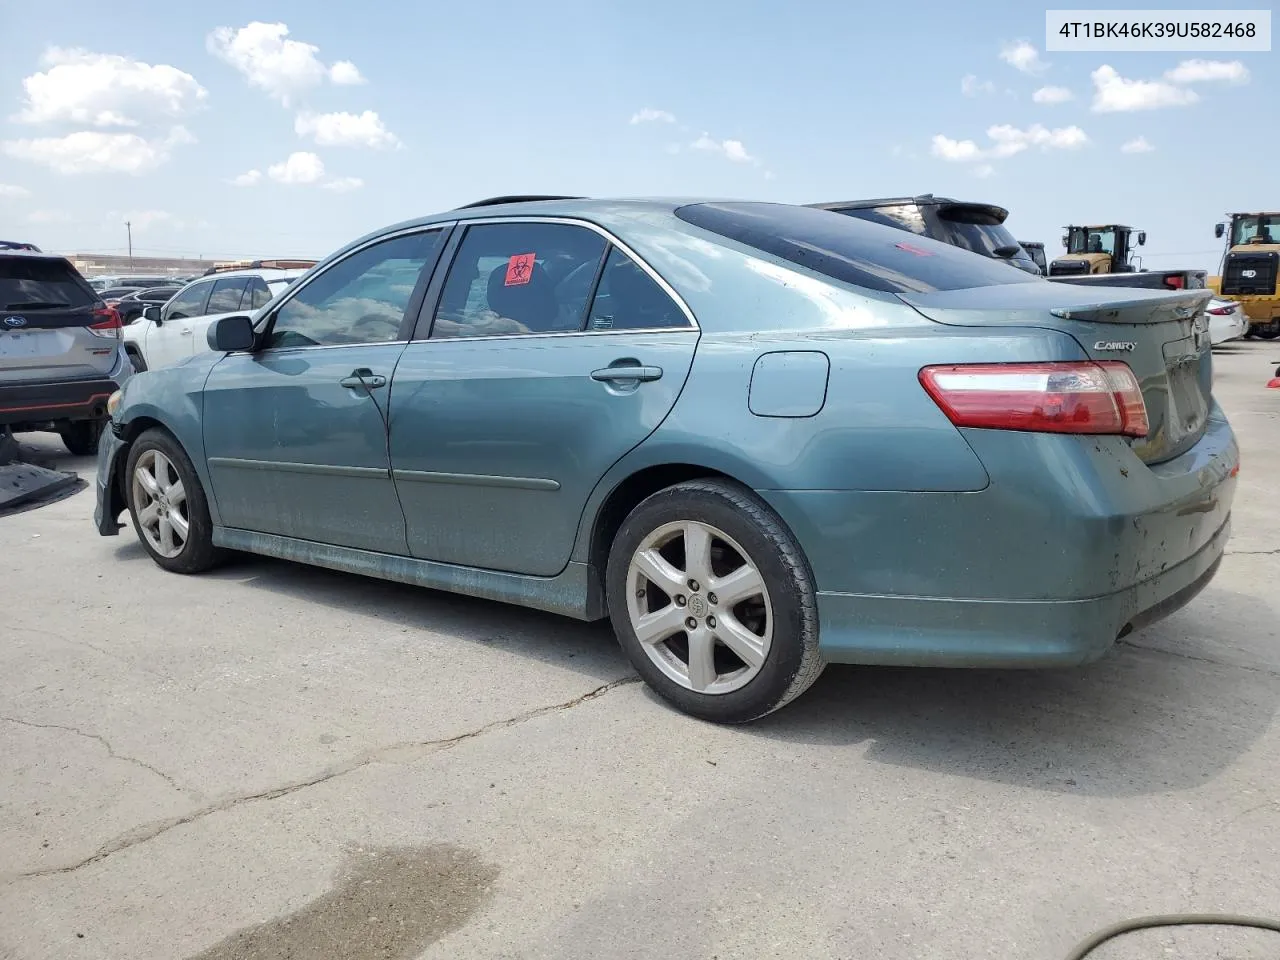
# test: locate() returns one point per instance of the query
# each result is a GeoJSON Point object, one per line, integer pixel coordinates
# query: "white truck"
{"type": "Point", "coordinates": [164, 335]}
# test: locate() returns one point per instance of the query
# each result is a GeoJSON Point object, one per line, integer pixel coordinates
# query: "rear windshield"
{"type": "Point", "coordinates": [849, 249]}
{"type": "Point", "coordinates": [29, 284]}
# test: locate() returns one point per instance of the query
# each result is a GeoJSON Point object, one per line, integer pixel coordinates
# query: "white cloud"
{"type": "Point", "coordinates": [270, 61]}
{"type": "Point", "coordinates": [983, 170]}
{"type": "Point", "coordinates": [48, 216]}
{"type": "Point", "coordinates": [1022, 56]}
{"type": "Point", "coordinates": [1116, 94]}
{"type": "Point", "coordinates": [971, 86]}
{"type": "Point", "coordinates": [345, 74]}
{"type": "Point", "coordinates": [729, 149]}
{"type": "Point", "coordinates": [959, 151]}
{"type": "Point", "coordinates": [106, 90]}
{"type": "Point", "coordinates": [1008, 141]}
{"type": "Point", "coordinates": [345, 129]}
{"type": "Point", "coordinates": [650, 115]}
{"type": "Point", "coordinates": [1052, 95]}
{"type": "Point", "coordinates": [90, 151]}
{"type": "Point", "coordinates": [1137, 145]}
{"type": "Point", "coordinates": [299, 168]}
{"type": "Point", "coordinates": [13, 192]}
{"type": "Point", "coordinates": [249, 178]}
{"type": "Point", "coordinates": [1200, 71]}
{"type": "Point", "coordinates": [343, 184]}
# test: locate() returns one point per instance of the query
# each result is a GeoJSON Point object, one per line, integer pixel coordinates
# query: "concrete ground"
{"type": "Point", "coordinates": [276, 761]}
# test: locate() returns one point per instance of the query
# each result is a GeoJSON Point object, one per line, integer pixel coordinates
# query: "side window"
{"type": "Point", "coordinates": [259, 293]}
{"type": "Point", "coordinates": [360, 299]}
{"type": "Point", "coordinates": [630, 299]}
{"type": "Point", "coordinates": [189, 303]}
{"type": "Point", "coordinates": [226, 295]}
{"type": "Point", "coordinates": [517, 278]}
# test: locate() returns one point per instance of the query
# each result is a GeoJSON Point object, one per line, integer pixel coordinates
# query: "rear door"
{"type": "Point", "coordinates": [547, 356]}
{"type": "Point", "coordinates": [46, 310]}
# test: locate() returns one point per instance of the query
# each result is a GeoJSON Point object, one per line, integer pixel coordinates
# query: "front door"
{"type": "Point", "coordinates": [550, 355]}
{"type": "Point", "coordinates": [169, 341]}
{"type": "Point", "coordinates": [296, 431]}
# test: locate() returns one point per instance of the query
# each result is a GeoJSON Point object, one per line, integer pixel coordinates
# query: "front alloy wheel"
{"type": "Point", "coordinates": [161, 501]}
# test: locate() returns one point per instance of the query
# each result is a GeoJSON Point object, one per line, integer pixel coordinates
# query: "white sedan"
{"type": "Point", "coordinates": [1226, 321]}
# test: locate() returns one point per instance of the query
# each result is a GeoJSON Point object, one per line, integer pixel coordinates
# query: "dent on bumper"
{"type": "Point", "coordinates": [927, 631]}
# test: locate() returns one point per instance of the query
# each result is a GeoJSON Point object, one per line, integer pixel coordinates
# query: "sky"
{"type": "Point", "coordinates": [256, 129]}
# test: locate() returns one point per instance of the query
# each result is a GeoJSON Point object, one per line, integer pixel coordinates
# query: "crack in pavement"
{"type": "Point", "coordinates": [1267, 671]}
{"type": "Point", "coordinates": [1251, 553]}
{"type": "Point", "coordinates": [111, 751]}
{"type": "Point", "coordinates": [396, 753]}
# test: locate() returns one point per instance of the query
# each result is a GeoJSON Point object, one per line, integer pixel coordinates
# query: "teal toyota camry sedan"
{"type": "Point", "coordinates": [759, 438]}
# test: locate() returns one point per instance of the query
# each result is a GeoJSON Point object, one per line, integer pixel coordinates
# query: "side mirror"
{"type": "Point", "coordinates": [231, 333]}
{"type": "Point", "coordinates": [1064, 241]}
{"type": "Point", "coordinates": [1219, 229]}
{"type": "Point", "coordinates": [1142, 238]}
{"type": "Point", "coordinates": [152, 313]}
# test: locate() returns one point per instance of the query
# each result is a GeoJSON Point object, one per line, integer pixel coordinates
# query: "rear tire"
{"type": "Point", "coordinates": [757, 638]}
{"type": "Point", "coordinates": [80, 437]}
{"type": "Point", "coordinates": [168, 506]}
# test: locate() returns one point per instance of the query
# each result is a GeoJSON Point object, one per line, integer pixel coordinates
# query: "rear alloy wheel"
{"type": "Point", "coordinates": [80, 437]}
{"type": "Point", "coordinates": [713, 602]}
{"type": "Point", "coordinates": [168, 506]}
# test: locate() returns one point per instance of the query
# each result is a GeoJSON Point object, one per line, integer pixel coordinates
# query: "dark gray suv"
{"type": "Point", "coordinates": [61, 353]}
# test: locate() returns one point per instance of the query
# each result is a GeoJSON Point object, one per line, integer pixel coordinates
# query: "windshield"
{"type": "Point", "coordinates": [988, 239]}
{"type": "Point", "coordinates": [1245, 229]}
{"type": "Point", "coordinates": [1091, 240]}
{"type": "Point", "coordinates": [35, 283]}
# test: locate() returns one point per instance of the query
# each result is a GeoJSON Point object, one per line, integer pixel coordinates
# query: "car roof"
{"type": "Point", "coordinates": [34, 255]}
{"type": "Point", "coordinates": [266, 273]}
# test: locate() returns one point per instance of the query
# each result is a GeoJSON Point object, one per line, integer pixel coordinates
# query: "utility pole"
{"type": "Point", "coordinates": [129, 226]}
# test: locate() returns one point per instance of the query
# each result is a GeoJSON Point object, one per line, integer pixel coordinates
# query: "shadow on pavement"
{"type": "Point", "coordinates": [1141, 720]}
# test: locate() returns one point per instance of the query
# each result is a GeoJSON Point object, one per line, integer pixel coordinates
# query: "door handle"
{"type": "Point", "coordinates": [627, 373]}
{"type": "Point", "coordinates": [363, 377]}
{"type": "Point", "coordinates": [184, 332]}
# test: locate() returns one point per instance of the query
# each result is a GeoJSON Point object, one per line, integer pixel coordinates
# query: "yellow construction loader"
{"type": "Point", "coordinates": [1249, 269]}
{"type": "Point", "coordinates": [1097, 249]}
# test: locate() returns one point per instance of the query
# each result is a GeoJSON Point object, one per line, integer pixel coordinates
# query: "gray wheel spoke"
{"type": "Point", "coordinates": [749, 647]}
{"type": "Point", "coordinates": [148, 515]}
{"type": "Point", "coordinates": [697, 552]}
{"type": "Point", "coordinates": [659, 625]}
{"type": "Point", "coordinates": [180, 525]}
{"type": "Point", "coordinates": [148, 481]}
{"type": "Point", "coordinates": [659, 572]}
{"type": "Point", "coordinates": [164, 471]}
{"type": "Point", "coordinates": [733, 588]}
{"type": "Point", "coordinates": [177, 494]}
{"type": "Point", "coordinates": [167, 545]}
{"type": "Point", "coordinates": [702, 666]}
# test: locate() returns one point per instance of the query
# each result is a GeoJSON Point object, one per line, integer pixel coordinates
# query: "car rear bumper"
{"type": "Point", "coordinates": [55, 400]}
{"type": "Point", "coordinates": [1074, 541]}
{"type": "Point", "coordinates": [927, 631]}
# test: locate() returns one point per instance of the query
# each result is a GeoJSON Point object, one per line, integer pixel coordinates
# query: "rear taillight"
{"type": "Point", "coordinates": [109, 325]}
{"type": "Point", "coordinates": [1174, 281]}
{"type": "Point", "coordinates": [1223, 311]}
{"type": "Point", "coordinates": [1070, 397]}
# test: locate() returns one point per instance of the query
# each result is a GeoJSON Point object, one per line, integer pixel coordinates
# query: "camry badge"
{"type": "Point", "coordinates": [1116, 346]}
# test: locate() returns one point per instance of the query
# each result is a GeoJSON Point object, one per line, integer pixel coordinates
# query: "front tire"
{"type": "Point", "coordinates": [168, 506]}
{"type": "Point", "coordinates": [713, 602]}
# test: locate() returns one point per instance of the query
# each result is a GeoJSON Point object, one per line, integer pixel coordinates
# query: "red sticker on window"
{"type": "Point", "coordinates": [913, 249]}
{"type": "Point", "coordinates": [519, 269]}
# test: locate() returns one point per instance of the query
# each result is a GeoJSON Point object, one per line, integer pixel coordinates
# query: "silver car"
{"type": "Point", "coordinates": [61, 353]}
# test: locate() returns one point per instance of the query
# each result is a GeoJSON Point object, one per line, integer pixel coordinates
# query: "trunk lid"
{"type": "Point", "coordinates": [45, 310]}
{"type": "Point", "coordinates": [1163, 337]}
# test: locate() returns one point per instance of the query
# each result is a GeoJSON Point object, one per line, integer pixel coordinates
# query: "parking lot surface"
{"type": "Point", "coordinates": [277, 761]}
